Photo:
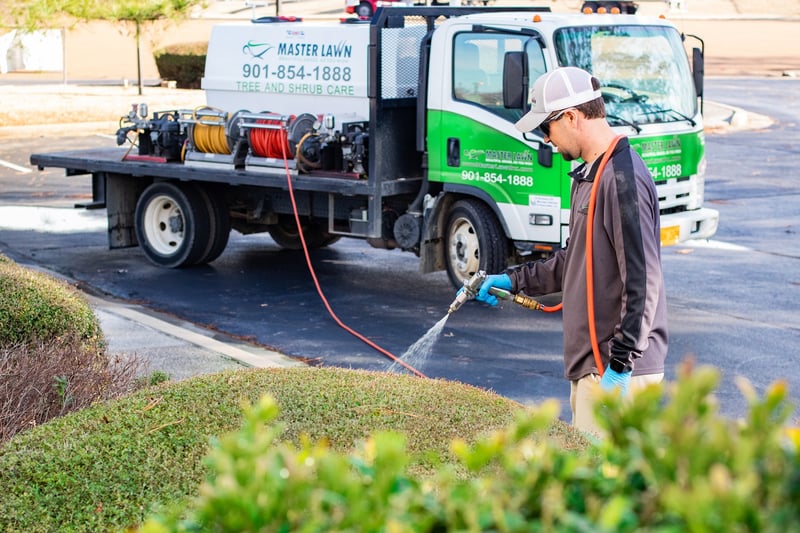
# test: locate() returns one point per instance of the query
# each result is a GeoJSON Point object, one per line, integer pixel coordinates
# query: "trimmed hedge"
{"type": "Point", "coordinates": [184, 63]}
{"type": "Point", "coordinates": [107, 467]}
{"type": "Point", "coordinates": [36, 308]}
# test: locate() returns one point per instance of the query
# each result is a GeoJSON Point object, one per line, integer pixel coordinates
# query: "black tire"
{"type": "Point", "coordinates": [220, 224]}
{"type": "Point", "coordinates": [285, 234]}
{"type": "Point", "coordinates": [172, 225]}
{"type": "Point", "coordinates": [364, 10]}
{"type": "Point", "coordinates": [474, 241]}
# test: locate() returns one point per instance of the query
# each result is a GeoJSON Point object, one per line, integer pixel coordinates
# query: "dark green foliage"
{"type": "Point", "coordinates": [184, 63]}
{"type": "Point", "coordinates": [109, 465]}
{"type": "Point", "coordinates": [36, 308]}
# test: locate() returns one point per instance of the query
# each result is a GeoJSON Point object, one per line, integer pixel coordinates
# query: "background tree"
{"type": "Point", "coordinates": [33, 14]}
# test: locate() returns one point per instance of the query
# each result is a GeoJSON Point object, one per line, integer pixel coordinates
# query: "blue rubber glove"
{"type": "Point", "coordinates": [615, 380]}
{"type": "Point", "coordinates": [501, 281]}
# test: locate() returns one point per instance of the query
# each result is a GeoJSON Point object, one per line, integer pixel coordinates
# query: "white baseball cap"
{"type": "Point", "coordinates": [559, 89]}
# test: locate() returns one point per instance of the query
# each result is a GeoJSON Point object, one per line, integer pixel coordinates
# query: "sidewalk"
{"type": "Point", "coordinates": [178, 348]}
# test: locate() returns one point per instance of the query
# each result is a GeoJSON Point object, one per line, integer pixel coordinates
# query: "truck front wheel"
{"type": "Point", "coordinates": [172, 225]}
{"type": "Point", "coordinates": [474, 241]}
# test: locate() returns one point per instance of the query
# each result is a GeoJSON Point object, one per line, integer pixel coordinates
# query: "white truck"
{"type": "Point", "coordinates": [399, 131]}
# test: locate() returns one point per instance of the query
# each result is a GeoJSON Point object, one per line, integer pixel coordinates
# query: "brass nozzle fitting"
{"type": "Point", "coordinates": [526, 302]}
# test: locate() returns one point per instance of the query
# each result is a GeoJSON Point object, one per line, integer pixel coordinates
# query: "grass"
{"type": "Point", "coordinates": [106, 467]}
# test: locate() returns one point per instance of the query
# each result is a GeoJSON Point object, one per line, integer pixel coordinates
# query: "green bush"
{"type": "Point", "coordinates": [36, 308]}
{"type": "Point", "coordinates": [665, 466]}
{"type": "Point", "coordinates": [184, 63]}
{"type": "Point", "coordinates": [108, 466]}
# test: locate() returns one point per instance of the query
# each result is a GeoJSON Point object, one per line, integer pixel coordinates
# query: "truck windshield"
{"type": "Point", "coordinates": [643, 70]}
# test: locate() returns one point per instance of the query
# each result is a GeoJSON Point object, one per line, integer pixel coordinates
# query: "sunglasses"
{"type": "Point", "coordinates": [545, 126]}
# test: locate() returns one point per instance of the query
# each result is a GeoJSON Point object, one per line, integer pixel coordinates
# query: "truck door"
{"type": "Point", "coordinates": [473, 146]}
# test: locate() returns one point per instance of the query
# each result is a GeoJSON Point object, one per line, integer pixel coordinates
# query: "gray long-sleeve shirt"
{"type": "Point", "coordinates": [629, 299]}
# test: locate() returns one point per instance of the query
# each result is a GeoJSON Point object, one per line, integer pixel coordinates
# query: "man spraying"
{"type": "Point", "coordinates": [614, 304]}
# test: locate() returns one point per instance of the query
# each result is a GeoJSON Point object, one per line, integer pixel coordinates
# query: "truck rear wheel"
{"type": "Point", "coordinates": [219, 225]}
{"type": "Point", "coordinates": [172, 225]}
{"type": "Point", "coordinates": [474, 241]}
{"type": "Point", "coordinates": [285, 234]}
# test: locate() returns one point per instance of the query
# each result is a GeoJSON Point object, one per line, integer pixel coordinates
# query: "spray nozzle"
{"type": "Point", "coordinates": [472, 285]}
{"type": "Point", "coordinates": [468, 291]}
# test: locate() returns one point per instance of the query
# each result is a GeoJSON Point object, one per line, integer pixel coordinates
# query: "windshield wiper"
{"type": "Point", "coordinates": [626, 122]}
{"type": "Point", "coordinates": [674, 112]}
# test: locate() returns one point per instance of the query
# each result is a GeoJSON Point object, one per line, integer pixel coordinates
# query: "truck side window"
{"type": "Point", "coordinates": [468, 77]}
{"type": "Point", "coordinates": [478, 69]}
{"type": "Point", "coordinates": [536, 65]}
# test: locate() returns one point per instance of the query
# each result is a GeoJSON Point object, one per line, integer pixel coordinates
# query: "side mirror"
{"type": "Point", "coordinates": [544, 155]}
{"type": "Point", "coordinates": [515, 80]}
{"type": "Point", "coordinates": [698, 70]}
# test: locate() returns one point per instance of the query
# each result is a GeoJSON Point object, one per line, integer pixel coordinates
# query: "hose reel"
{"type": "Point", "coordinates": [214, 137]}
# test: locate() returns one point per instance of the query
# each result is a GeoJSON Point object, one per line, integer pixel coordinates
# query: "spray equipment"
{"type": "Point", "coordinates": [472, 285]}
{"type": "Point", "coordinates": [159, 137]}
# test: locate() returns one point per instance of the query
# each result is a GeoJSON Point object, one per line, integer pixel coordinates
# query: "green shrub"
{"type": "Point", "coordinates": [107, 467]}
{"type": "Point", "coordinates": [36, 308]}
{"type": "Point", "coordinates": [184, 63]}
{"type": "Point", "coordinates": [674, 467]}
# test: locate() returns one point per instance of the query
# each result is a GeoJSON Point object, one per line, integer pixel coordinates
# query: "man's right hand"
{"type": "Point", "coordinates": [501, 281]}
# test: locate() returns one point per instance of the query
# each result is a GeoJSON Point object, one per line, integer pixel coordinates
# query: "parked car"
{"type": "Point", "coordinates": [366, 8]}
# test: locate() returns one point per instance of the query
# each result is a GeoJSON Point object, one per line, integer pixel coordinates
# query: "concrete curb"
{"type": "Point", "coordinates": [245, 354]}
{"type": "Point", "coordinates": [724, 118]}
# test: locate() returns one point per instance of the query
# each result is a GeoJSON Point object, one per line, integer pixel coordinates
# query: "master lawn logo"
{"type": "Point", "coordinates": [499, 156]}
{"type": "Point", "coordinates": [256, 50]}
{"type": "Point", "coordinates": [659, 147]}
{"type": "Point", "coordinates": [473, 154]}
{"type": "Point", "coordinates": [509, 157]}
{"type": "Point", "coordinates": [338, 50]}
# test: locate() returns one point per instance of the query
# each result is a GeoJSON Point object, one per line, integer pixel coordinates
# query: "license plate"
{"type": "Point", "coordinates": [670, 235]}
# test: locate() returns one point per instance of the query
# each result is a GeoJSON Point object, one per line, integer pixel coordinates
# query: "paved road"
{"type": "Point", "coordinates": [732, 302]}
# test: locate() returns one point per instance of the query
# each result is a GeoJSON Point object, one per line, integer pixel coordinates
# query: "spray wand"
{"type": "Point", "coordinates": [473, 285]}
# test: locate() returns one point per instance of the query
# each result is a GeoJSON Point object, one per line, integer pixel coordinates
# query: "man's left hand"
{"type": "Point", "coordinates": [615, 380]}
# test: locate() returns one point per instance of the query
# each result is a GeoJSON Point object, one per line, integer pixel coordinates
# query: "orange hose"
{"type": "Point", "coordinates": [272, 143]}
{"type": "Point", "coordinates": [589, 256]}
{"type": "Point", "coordinates": [284, 147]}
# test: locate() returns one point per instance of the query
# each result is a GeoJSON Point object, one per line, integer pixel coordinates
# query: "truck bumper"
{"type": "Point", "coordinates": [697, 224]}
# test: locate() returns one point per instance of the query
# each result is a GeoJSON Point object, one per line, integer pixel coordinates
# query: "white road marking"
{"type": "Point", "coordinates": [12, 166]}
{"type": "Point", "coordinates": [51, 219]}
{"type": "Point", "coordinates": [714, 245]}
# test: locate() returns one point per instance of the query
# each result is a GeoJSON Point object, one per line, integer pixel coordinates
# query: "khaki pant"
{"type": "Point", "coordinates": [584, 391]}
